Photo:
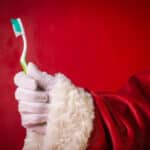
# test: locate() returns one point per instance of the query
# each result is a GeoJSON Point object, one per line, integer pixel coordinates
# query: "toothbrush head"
{"type": "Point", "coordinates": [17, 27]}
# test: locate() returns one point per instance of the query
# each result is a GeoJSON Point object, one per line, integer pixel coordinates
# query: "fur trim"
{"type": "Point", "coordinates": [70, 122]}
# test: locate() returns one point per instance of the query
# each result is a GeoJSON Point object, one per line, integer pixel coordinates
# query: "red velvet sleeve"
{"type": "Point", "coordinates": [122, 119]}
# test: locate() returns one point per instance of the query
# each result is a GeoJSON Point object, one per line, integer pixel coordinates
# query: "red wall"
{"type": "Point", "coordinates": [97, 44]}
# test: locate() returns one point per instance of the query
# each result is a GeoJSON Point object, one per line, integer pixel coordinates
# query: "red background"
{"type": "Point", "coordinates": [99, 45]}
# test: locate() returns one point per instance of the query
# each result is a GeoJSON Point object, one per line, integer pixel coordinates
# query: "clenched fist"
{"type": "Point", "coordinates": [33, 97]}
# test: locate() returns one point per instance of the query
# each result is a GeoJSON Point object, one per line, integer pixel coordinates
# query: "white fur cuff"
{"type": "Point", "coordinates": [70, 121]}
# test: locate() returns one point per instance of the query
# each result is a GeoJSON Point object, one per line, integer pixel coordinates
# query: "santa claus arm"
{"type": "Point", "coordinates": [79, 119]}
{"type": "Point", "coordinates": [122, 119]}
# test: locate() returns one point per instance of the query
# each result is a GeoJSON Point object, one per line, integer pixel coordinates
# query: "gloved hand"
{"type": "Point", "coordinates": [55, 106]}
{"type": "Point", "coordinates": [32, 94]}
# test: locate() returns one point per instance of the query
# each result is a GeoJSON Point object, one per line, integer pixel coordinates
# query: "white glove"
{"type": "Point", "coordinates": [56, 113]}
{"type": "Point", "coordinates": [32, 94]}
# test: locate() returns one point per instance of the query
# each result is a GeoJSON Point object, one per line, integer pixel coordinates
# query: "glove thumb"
{"type": "Point", "coordinates": [43, 79]}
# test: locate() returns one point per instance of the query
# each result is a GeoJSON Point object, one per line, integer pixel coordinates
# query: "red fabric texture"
{"type": "Point", "coordinates": [123, 118]}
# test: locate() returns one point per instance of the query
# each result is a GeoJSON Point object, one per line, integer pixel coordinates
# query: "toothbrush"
{"type": "Point", "coordinates": [19, 31]}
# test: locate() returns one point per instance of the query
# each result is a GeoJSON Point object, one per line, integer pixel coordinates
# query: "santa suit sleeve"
{"type": "Point", "coordinates": [122, 119]}
{"type": "Point", "coordinates": [80, 119]}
